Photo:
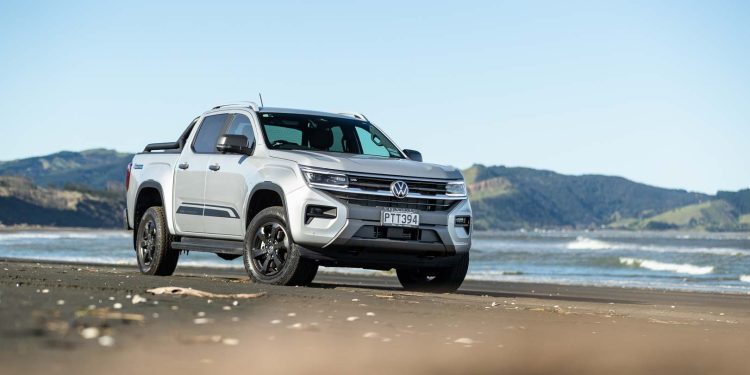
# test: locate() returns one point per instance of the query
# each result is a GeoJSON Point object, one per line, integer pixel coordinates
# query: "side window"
{"type": "Point", "coordinates": [369, 147]}
{"type": "Point", "coordinates": [208, 134]}
{"type": "Point", "coordinates": [241, 125]}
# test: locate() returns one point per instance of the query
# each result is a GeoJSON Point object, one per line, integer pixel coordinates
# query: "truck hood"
{"type": "Point", "coordinates": [367, 164]}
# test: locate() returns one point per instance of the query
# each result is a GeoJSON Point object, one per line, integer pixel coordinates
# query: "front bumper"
{"type": "Point", "coordinates": [356, 238]}
{"type": "Point", "coordinates": [436, 235]}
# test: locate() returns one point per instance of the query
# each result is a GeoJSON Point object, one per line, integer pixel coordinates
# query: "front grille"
{"type": "Point", "coordinates": [368, 183]}
{"type": "Point", "coordinates": [398, 234]}
{"type": "Point", "coordinates": [371, 200]}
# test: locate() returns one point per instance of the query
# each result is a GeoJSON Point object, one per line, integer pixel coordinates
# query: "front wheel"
{"type": "Point", "coordinates": [154, 244]}
{"type": "Point", "coordinates": [270, 254]}
{"type": "Point", "coordinates": [443, 280]}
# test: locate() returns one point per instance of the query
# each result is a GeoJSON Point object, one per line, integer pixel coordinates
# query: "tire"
{"type": "Point", "coordinates": [154, 244]}
{"type": "Point", "coordinates": [271, 256]}
{"type": "Point", "coordinates": [313, 270]}
{"type": "Point", "coordinates": [441, 280]}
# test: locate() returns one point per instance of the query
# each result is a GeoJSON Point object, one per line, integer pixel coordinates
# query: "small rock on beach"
{"type": "Point", "coordinates": [106, 341]}
{"type": "Point", "coordinates": [90, 333]}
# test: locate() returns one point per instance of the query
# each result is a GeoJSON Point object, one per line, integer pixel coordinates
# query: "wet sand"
{"type": "Point", "coordinates": [68, 318]}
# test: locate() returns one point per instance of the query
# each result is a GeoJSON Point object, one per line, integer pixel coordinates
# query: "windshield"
{"type": "Point", "coordinates": [285, 131]}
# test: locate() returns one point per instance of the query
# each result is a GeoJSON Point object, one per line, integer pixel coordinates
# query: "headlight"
{"type": "Point", "coordinates": [455, 188]}
{"type": "Point", "coordinates": [324, 178]}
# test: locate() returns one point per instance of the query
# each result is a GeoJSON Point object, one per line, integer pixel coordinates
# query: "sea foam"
{"type": "Point", "coordinates": [728, 251]}
{"type": "Point", "coordinates": [745, 278]}
{"type": "Point", "coordinates": [688, 269]}
{"type": "Point", "coordinates": [585, 243]}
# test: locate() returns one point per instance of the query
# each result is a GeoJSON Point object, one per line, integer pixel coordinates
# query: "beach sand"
{"type": "Point", "coordinates": [68, 318]}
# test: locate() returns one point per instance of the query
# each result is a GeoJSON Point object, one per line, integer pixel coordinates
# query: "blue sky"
{"type": "Point", "coordinates": [658, 92]}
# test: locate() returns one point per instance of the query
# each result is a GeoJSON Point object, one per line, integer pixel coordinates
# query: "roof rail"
{"type": "Point", "coordinates": [356, 115]}
{"type": "Point", "coordinates": [243, 104]}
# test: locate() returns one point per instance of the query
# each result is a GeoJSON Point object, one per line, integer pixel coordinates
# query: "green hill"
{"type": "Point", "coordinates": [513, 198]}
{"type": "Point", "coordinates": [72, 189]}
{"type": "Point", "coordinates": [738, 199]}
{"type": "Point", "coordinates": [715, 215]}
{"type": "Point", "coordinates": [729, 211]}
{"type": "Point", "coordinates": [22, 202]}
{"type": "Point", "coordinates": [97, 169]}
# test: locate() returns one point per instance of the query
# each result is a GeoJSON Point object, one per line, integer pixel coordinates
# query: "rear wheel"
{"type": "Point", "coordinates": [154, 244]}
{"type": "Point", "coordinates": [441, 280]}
{"type": "Point", "coordinates": [271, 255]}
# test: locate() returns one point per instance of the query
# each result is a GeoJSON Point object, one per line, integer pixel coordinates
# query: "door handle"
{"type": "Point", "coordinates": [184, 165]}
{"type": "Point", "coordinates": [214, 167]}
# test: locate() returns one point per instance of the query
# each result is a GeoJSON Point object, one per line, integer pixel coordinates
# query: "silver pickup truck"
{"type": "Point", "coordinates": [289, 190]}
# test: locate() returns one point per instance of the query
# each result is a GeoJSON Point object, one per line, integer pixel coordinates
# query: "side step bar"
{"type": "Point", "coordinates": [209, 245]}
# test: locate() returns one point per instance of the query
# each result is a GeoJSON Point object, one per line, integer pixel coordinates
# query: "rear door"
{"type": "Point", "coordinates": [190, 175]}
{"type": "Point", "coordinates": [229, 182]}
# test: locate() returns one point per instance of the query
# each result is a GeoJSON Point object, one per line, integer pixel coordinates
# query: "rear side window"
{"type": "Point", "coordinates": [208, 134]}
{"type": "Point", "coordinates": [241, 126]}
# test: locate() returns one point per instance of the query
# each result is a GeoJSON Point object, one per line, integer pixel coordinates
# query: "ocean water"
{"type": "Point", "coordinates": [716, 262]}
{"type": "Point", "coordinates": [654, 260]}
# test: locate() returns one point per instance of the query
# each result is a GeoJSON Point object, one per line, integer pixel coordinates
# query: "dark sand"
{"type": "Point", "coordinates": [354, 324]}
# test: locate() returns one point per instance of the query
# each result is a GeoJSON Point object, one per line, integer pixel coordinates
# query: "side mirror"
{"type": "Point", "coordinates": [234, 144]}
{"type": "Point", "coordinates": [413, 155]}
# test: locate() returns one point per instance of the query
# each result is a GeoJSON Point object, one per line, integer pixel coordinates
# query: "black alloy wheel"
{"type": "Point", "coordinates": [270, 254]}
{"type": "Point", "coordinates": [153, 244]}
{"type": "Point", "coordinates": [147, 245]}
{"type": "Point", "coordinates": [270, 248]}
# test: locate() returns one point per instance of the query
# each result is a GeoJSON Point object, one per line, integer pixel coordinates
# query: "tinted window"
{"type": "Point", "coordinates": [292, 131]}
{"type": "Point", "coordinates": [371, 143]}
{"type": "Point", "coordinates": [338, 139]}
{"type": "Point", "coordinates": [284, 134]}
{"type": "Point", "coordinates": [208, 134]}
{"type": "Point", "coordinates": [241, 126]}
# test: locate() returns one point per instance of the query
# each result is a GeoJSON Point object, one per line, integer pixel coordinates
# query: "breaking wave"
{"type": "Point", "coordinates": [687, 269]}
{"type": "Point", "coordinates": [745, 278]}
{"type": "Point", "coordinates": [585, 243]}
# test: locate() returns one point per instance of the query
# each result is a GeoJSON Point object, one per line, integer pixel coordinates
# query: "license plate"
{"type": "Point", "coordinates": [399, 218]}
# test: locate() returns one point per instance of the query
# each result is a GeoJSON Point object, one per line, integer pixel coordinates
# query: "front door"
{"type": "Point", "coordinates": [190, 176]}
{"type": "Point", "coordinates": [227, 184]}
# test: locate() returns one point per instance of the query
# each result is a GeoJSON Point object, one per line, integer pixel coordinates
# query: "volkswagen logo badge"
{"type": "Point", "coordinates": [399, 189]}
